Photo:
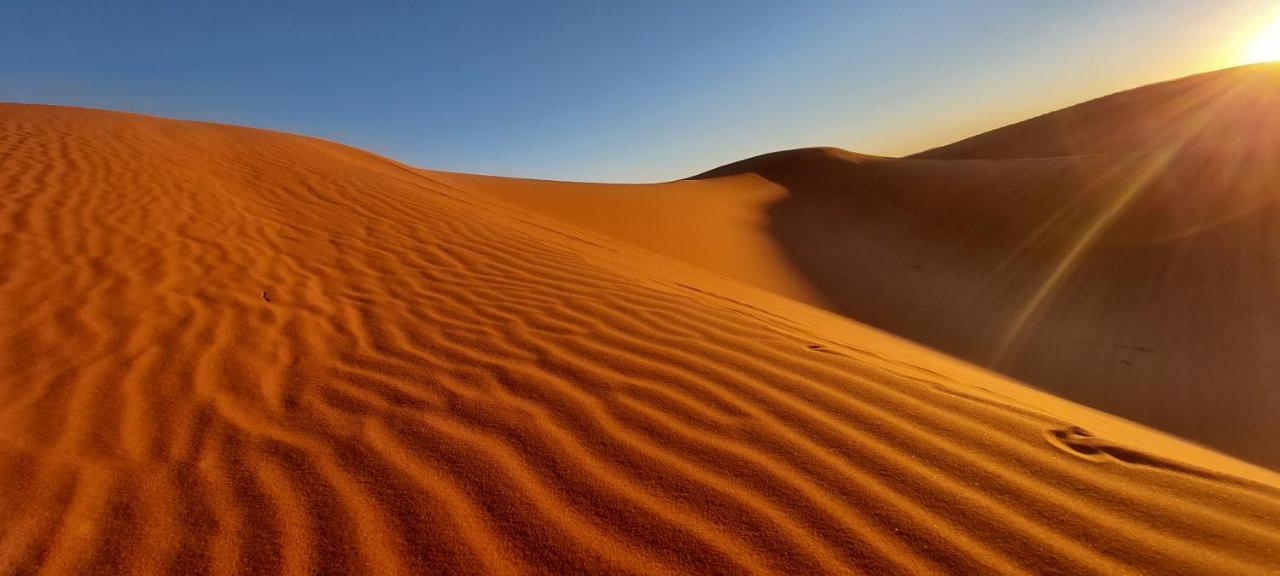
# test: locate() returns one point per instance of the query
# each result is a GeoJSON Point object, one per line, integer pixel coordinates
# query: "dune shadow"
{"type": "Point", "coordinates": [940, 253]}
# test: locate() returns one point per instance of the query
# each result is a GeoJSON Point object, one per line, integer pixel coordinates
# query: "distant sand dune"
{"type": "Point", "coordinates": [1238, 106]}
{"type": "Point", "coordinates": [227, 350]}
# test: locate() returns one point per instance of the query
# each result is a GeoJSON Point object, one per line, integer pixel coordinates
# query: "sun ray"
{"type": "Point", "coordinates": [1153, 164]}
{"type": "Point", "coordinates": [1152, 167]}
{"type": "Point", "coordinates": [1265, 46]}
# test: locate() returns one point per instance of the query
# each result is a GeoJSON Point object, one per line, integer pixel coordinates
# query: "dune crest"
{"type": "Point", "coordinates": [226, 350]}
{"type": "Point", "coordinates": [1237, 106]}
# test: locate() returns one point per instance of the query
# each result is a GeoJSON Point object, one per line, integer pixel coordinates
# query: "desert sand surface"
{"type": "Point", "coordinates": [1123, 253]}
{"type": "Point", "coordinates": [226, 350]}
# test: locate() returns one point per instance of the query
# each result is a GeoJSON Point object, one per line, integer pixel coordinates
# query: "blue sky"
{"type": "Point", "coordinates": [608, 90]}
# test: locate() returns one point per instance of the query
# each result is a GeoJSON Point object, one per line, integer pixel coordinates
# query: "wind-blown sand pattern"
{"type": "Point", "coordinates": [1123, 253]}
{"type": "Point", "coordinates": [225, 350]}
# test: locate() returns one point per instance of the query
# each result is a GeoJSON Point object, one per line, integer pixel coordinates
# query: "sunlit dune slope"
{"type": "Point", "coordinates": [226, 350]}
{"type": "Point", "coordinates": [1140, 278]}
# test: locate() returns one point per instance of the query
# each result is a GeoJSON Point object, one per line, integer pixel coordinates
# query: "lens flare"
{"type": "Point", "coordinates": [1265, 46]}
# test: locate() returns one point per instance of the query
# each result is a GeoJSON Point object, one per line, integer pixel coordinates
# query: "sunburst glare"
{"type": "Point", "coordinates": [1265, 46]}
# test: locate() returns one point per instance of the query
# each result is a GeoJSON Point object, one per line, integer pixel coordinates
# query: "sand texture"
{"type": "Point", "coordinates": [226, 350]}
{"type": "Point", "coordinates": [1123, 253]}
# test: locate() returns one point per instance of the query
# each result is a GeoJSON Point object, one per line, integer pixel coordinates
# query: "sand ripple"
{"type": "Point", "coordinates": [225, 350]}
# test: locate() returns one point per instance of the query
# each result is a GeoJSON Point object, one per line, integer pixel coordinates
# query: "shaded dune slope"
{"type": "Point", "coordinates": [1238, 105]}
{"type": "Point", "coordinates": [1132, 268]}
{"type": "Point", "coordinates": [227, 350]}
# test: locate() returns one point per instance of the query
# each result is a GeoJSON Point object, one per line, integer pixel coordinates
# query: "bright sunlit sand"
{"type": "Point", "coordinates": [1047, 348]}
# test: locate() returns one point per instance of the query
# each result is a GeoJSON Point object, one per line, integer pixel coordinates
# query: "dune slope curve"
{"type": "Point", "coordinates": [225, 350]}
{"type": "Point", "coordinates": [1123, 253]}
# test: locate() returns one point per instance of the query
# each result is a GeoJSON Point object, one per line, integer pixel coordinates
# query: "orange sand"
{"type": "Point", "coordinates": [226, 350]}
{"type": "Point", "coordinates": [1123, 253]}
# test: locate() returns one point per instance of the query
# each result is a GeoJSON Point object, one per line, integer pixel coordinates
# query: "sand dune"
{"type": "Point", "coordinates": [1239, 106]}
{"type": "Point", "coordinates": [226, 350]}
{"type": "Point", "coordinates": [1132, 266]}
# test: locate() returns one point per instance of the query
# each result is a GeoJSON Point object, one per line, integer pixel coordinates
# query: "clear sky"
{"type": "Point", "coordinates": [609, 90]}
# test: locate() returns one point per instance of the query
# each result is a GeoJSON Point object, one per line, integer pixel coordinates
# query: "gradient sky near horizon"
{"type": "Point", "coordinates": [610, 91]}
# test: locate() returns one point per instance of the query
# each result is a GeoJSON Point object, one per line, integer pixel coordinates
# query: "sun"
{"type": "Point", "coordinates": [1265, 47]}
